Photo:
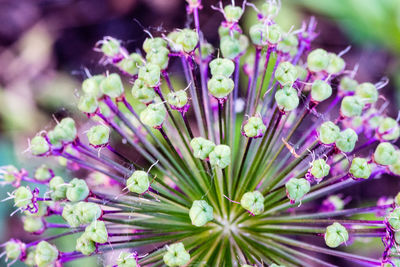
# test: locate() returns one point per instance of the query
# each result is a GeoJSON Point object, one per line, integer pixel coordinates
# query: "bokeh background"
{"type": "Point", "coordinates": [45, 46]}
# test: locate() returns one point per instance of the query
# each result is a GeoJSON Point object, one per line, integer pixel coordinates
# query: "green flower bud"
{"type": "Point", "coordinates": [33, 224]}
{"type": "Point", "coordinates": [87, 212]}
{"type": "Point", "coordinates": [150, 74]}
{"type": "Point", "coordinates": [201, 147]}
{"type": "Point", "coordinates": [233, 13]}
{"type": "Point", "coordinates": [320, 91]}
{"type": "Point", "coordinates": [335, 235]}
{"type": "Point", "coordinates": [91, 86]}
{"type": "Point", "coordinates": [261, 34]}
{"type": "Point", "coordinates": [269, 9]}
{"type": "Point", "coordinates": [126, 259]}
{"type": "Point", "coordinates": [176, 255]}
{"type": "Point", "coordinates": [220, 156]}
{"type": "Point", "coordinates": [222, 66]}
{"type": "Point", "coordinates": [230, 47]}
{"type": "Point", "coordinates": [70, 215]}
{"type": "Point", "coordinates": [97, 232]}
{"type": "Point", "coordinates": [88, 104]}
{"type": "Point", "coordinates": [112, 85]}
{"type": "Point", "coordinates": [286, 73]}
{"type": "Point", "coordinates": [159, 57]}
{"type": "Point", "coordinates": [77, 191]}
{"type": "Point", "coordinates": [43, 173]}
{"type": "Point", "coordinates": [297, 188]}
{"type": "Point", "coordinates": [287, 98]}
{"type": "Point", "coordinates": [131, 64]}
{"type": "Point", "coordinates": [110, 47]}
{"type": "Point", "coordinates": [138, 182]}
{"type": "Point", "coordinates": [188, 39]}
{"type": "Point", "coordinates": [65, 131]}
{"type": "Point", "coordinates": [10, 173]}
{"type": "Point", "coordinates": [320, 168]}
{"type": "Point", "coordinates": [226, 31]}
{"type": "Point", "coordinates": [58, 188]}
{"type": "Point", "coordinates": [253, 202]}
{"type": "Point", "coordinates": [328, 132]}
{"type": "Point", "coordinates": [394, 219]}
{"type": "Point", "coordinates": [200, 213]}
{"type": "Point", "coordinates": [348, 84]}
{"type": "Point", "coordinates": [351, 106]}
{"type": "Point", "coordinates": [318, 60]}
{"type": "Point", "coordinates": [45, 254]}
{"type": "Point", "coordinates": [360, 168]}
{"type": "Point", "coordinates": [220, 86]}
{"type": "Point", "coordinates": [254, 127]}
{"type": "Point", "coordinates": [389, 129]}
{"type": "Point", "coordinates": [395, 167]}
{"type": "Point", "coordinates": [22, 197]}
{"type": "Point", "coordinates": [347, 140]}
{"type": "Point", "coordinates": [39, 145]}
{"type": "Point", "coordinates": [13, 250]}
{"type": "Point", "coordinates": [153, 115]}
{"type": "Point", "coordinates": [385, 154]}
{"type": "Point", "coordinates": [206, 50]}
{"type": "Point", "coordinates": [30, 258]}
{"type": "Point", "coordinates": [177, 99]}
{"type": "Point", "coordinates": [367, 92]}
{"type": "Point", "coordinates": [336, 64]}
{"type": "Point", "coordinates": [154, 43]}
{"type": "Point", "coordinates": [288, 44]}
{"type": "Point", "coordinates": [85, 245]}
{"type": "Point", "coordinates": [301, 72]}
{"type": "Point", "coordinates": [142, 92]}
{"type": "Point", "coordinates": [98, 135]}
{"type": "Point", "coordinates": [42, 210]}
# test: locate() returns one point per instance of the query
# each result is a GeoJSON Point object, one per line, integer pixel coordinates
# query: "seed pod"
{"type": "Point", "coordinates": [320, 168]}
{"type": "Point", "coordinates": [138, 182]}
{"type": "Point", "coordinates": [222, 66]}
{"type": "Point", "coordinates": [351, 106]}
{"type": "Point", "coordinates": [220, 156]}
{"type": "Point", "coordinates": [150, 74]}
{"type": "Point", "coordinates": [154, 43]}
{"type": "Point", "coordinates": [64, 132]}
{"type": "Point", "coordinates": [30, 258]}
{"type": "Point", "coordinates": [320, 91]}
{"type": "Point", "coordinates": [367, 92]}
{"type": "Point", "coordinates": [254, 127]}
{"type": "Point", "coordinates": [87, 212]}
{"type": "Point", "coordinates": [97, 232]}
{"type": "Point", "coordinates": [318, 60]}
{"type": "Point", "coordinates": [288, 44]}
{"type": "Point", "coordinates": [98, 135]}
{"type": "Point", "coordinates": [336, 64]}
{"type": "Point", "coordinates": [348, 84]}
{"type": "Point", "coordinates": [261, 34]}
{"type": "Point", "coordinates": [177, 99]}
{"type": "Point", "coordinates": [85, 245]}
{"type": "Point", "coordinates": [287, 98]}
{"type": "Point", "coordinates": [110, 47]}
{"type": "Point", "coordinates": [176, 255]}
{"type": "Point", "coordinates": [233, 13]}
{"type": "Point", "coordinates": [226, 31]}
{"type": "Point", "coordinates": [201, 147]}
{"type": "Point", "coordinates": [269, 9]}
{"type": "Point", "coordinates": [153, 115]}
{"type": "Point", "coordinates": [286, 73]}
{"type": "Point", "coordinates": [200, 213]}
{"type": "Point", "coordinates": [158, 56]}
{"type": "Point", "coordinates": [206, 51]}
{"type": "Point", "coordinates": [388, 129]}
{"type": "Point", "coordinates": [394, 219]}
{"type": "Point", "coordinates": [385, 154]}
{"type": "Point", "coordinates": [395, 167]}
{"type": "Point", "coordinates": [88, 104]}
{"type": "Point", "coordinates": [301, 72]}
{"type": "Point", "coordinates": [335, 235]}
{"type": "Point", "coordinates": [126, 259]}
{"type": "Point", "coordinates": [253, 202]}
{"type": "Point", "coordinates": [296, 189]}
{"type": "Point", "coordinates": [43, 173]}
{"type": "Point", "coordinates": [220, 86]}
{"type": "Point", "coordinates": [33, 224]}
{"type": "Point", "coordinates": [142, 92]}
{"type": "Point", "coordinates": [91, 86]}
{"type": "Point", "coordinates": [58, 188]}
{"type": "Point", "coordinates": [39, 145]}
{"type": "Point", "coordinates": [230, 47]}
{"type": "Point", "coordinates": [13, 249]}
{"type": "Point", "coordinates": [188, 39]}
{"type": "Point", "coordinates": [45, 254]}
{"type": "Point", "coordinates": [131, 64]}
{"type": "Point", "coordinates": [22, 197]}
{"type": "Point", "coordinates": [347, 140]}
{"type": "Point", "coordinates": [328, 132]}
{"type": "Point", "coordinates": [10, 174]}
{"type": "Point", "coordinates": [112, 85]}
{"type": "Point", "coordinates": [70, 215]}
{"type": "Point", "coordinates": [77, 191]}
{"type": "Point", "coordinates": [360, 168]}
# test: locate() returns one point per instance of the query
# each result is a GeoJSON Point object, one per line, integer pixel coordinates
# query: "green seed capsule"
{"type": "Point", "coordinates": [220, 156]}
{"type": "Point", "coordinates": [45, 254]}
{"type": "Point", "coordinates": [286, 73]}
{"type": "Point", "coordinates": [112, 85]}
{"type": "Point", "coordinates": [254, 127]}
{"type": "Point", "coordinates": [131, 64]}
{"type": "Point", "coordinates": [159, 57]}
{"type": "Point", "coordinates": [13, 250]}
{"type": "Point", "coordinates": [98, 135]}
{"type": "Point", "coordinates": [318, 60]}
{"type": "Point", "coordinates": [348, 84]}
{"type": "Point", "coordinates": [222, 66]}
{"type": "Point", "coordinates": [261, 34]}
{"type": "Point", "coordinates": [220, 86]}
{"type": "Point", "coordinates": [269, 9]}
{"type": "Point", "coordinates": [77, 191]}
{"type": "Point", "coordinates": [395, 167]}
{"type": "Point", "coordinates": [176, 255]}
{"type": "Point", "coordinates": [87, 212]}
{"type": "Point", "coordinates": [70, 215]}
{"type": "Point", "coordinates": [388, 129]}
{"type": "Point", "coordinates": [110, 47]}
{"type": "Point", "coordinates": [320, 91]}
{"type": "Point", "coordinates": [150, 74]}
{"type": "Point", "coordinates": [233, 13]}
{"type": "Point", "coordinates": [328, 132]}
{"type": "Point", "coordinates": [22, 197]}
{"type": "Point", "coordinates": [367, 93]}
{"type": "Point", "coordinates": [351, 106]}
{"type": "Point", "coordinates": [336, 64]}
{"type": "Point", "coordinates": [200, 213]}
{"type": "Point", "coordinates": [226, 31]}
{"type": "Point", "coordinates": [274, 34]}
{"type": "Point", "coordinates": [335, 235]}
{"type": "Point", "coordinates": [33, 224]}
{"type": "Point", "coordinates": [201, 147]}
{"type": "Point", "coordinates": [154, 43]}
{"type": "Point", "coordinates": [10, 173]}
{"type": "Point", "coordinates": [138, 182]}
{"type": "Point", "coordinates": [85, 245]}
{"type": "Point", "coordinates": [88, 104]}
{"type": "Point", "coordinates": [347, 140]}
{"type": "Point", "coordinates": [91, 86]}
{"type": "Point", "coordinates": [385, 154]}
{"type": "Point", "coordinates": [97, 232]}
{"type": "Point", "coordinates": [360, 168]}
{"type": "Point", "coordinates": [153, 115]}
{"type": "Point", "coordinates": [39, 145]}
{"type": "Point", "coordinates": [206, 51]}
{"type": "Point", "coordinates": [320, 168]}
{"type": "Point", "coordinates": [230, 47]}
{"type": "Point", "coordinates": [177, 99]}
{"type": "Point", "coordinates": [297, 188]}
{"type": "Point", "coordinates": [188, 39]}
{"type": "Point", "coordinates": [58, 188]}
{"type": "Point", "coordinates": [126, 259]}
{"type": "Point", "coordinates": [142, 92]}
{"type": "Point", "coordinates": [287, 98]}
{"type": "Point", "coordinates": [394, 219]}
{"type": "Point", "coordinates": [288, 44]}
{"type": "Point", "coordinates": [30, 258]}
{"type": "Point", "coordinates": [301, 72]}
{"type": "Point", "coordinates": [253, 202]}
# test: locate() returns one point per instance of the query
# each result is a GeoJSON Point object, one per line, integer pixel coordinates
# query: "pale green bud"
{"type": "Point", "coordinates": [348, 84]}
{"type": "Point", "coordinates": [22, 197]}
{"type": "Point", "coordinates": [88, 104]}
{"type": "Point", "coordinates": [286, 73]}
{"type": "Point", "coordinates": [87, 212]}
{"type": "Point", "coordinates": [360, 168]}
{"type": "Point", "coordinates": [91, 86]}
{"type": "Point", "coordinates": [389, 129]}
{"type": "Point", "coordinates": [188, 39]}
{"type": "Point", "coordinates": [30, 258]}
{"type": "Point", "coordinates": [385, 154]}
{"type": "Point", "coordinates": [320, 168]}
{"type": "Point", "coordinates": [158, 56]}
{"type": "Point", "coordinates": [287, 98]}
{"type": "Point", "coordinates": [33, 224]}
{"type": "Point", "coordinates": [58, 188]}
{"type": "Point", "coordinates": [110, 46]}
{"type": "Point", "coordinates": [335, 235]}
{"type": "Point", "coordinates": [254, 127]}
{"type": "Point", "coordinates": [13, 250]}
{"type": "Point", "coordinates": [394, 219]}
{"type": "Point", "coordinates": [98, 135]}
{"type": "Point", "coordinates": [269, 8]}
{"type": "Point", "coordinates": [70, 215]}
{"type": "Point", "coordinates": [222, 66]}
{"type": "Point", "coordinates": [220, 156]}
{"type": "Point", "coordinates": [131, 64]}
{"type": "Point", "coordinates": [230, 47]}
{"type": "Point", "coordinates": [176, 255]}
{"type": "Point", "coordinates": [10, 173]}
{"type": "Point", "coordinates": [351, 106]}
{"type": "Point", "coordinates": [336, 64]}
{"type": "Point", "coordinates": [261, 34]}
{"type": "Point", "coordinates": [126, 259]}
{"type": "Point", "coordinates": [318, 60]}
{"type": "Point", "coordinates": [320, 91]}
{"type": "Point", "coordinates": [226, 31]}
{"type": "Point", "coordinates": [367, 93]}
{"type": "Point", "coordinates": [201, 147]}
{"type": "Point", "coordinates": [153, 115]}
{"type": "Point", "coordinates": [253, 202]}
{"type": "Point", "coordinates": [45, 254]}
{"type": "Point", "coordinates": [154, 43]}
{"type": "Point", "coordinates": [301, 72]}
{"type": "Point", "coordinates": [395, 167]}
{"type": "Point", "coordinates": [177, 99]}
{"type": "Point", "coordinates": [112, 85]}
{"type": "Point", "coordinates": [200, 213]}
{"type": "Point", "coordinates": [142, 92]}
{"type": "Point", "coordinates": [297, 188]}
{"type": "Point", "coordinates": [233, 13]}
{"type": "Point", "coordinates": [77, 191]}
{"type": "Point", "coordinates": [39, 145]}
{"type": "Point", "coordinates": [138, 182]}
{"type": "Point", "coordinates": [347, 140]}
{"type": "Point", "coordinates": [328, 132]}
{"type": "Point", "coordinates": [220, 86]}
{"type": "Point", "coordinates": [85, 245]}
{"type": "Point", "coordinates": [43, 173]}
{"type": "Point", "coordinates": [150, 74]}
{"type": "Point", "coordinates": [97, 232]}
{"type": "Point", "coordinates": [288, 44]}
